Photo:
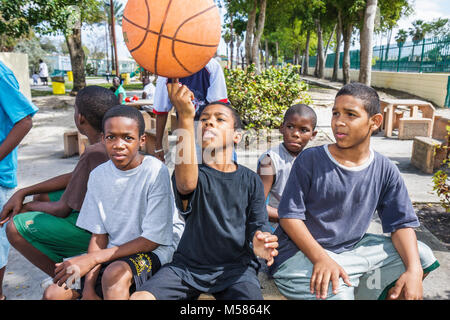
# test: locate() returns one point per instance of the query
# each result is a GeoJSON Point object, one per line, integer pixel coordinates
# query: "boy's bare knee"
{"type": "Point", "coordinates": [117, 273]}
{"type": "Point", "coordinates": [12, 233]}
{"type": "Point", "coordinates": [142, 295]}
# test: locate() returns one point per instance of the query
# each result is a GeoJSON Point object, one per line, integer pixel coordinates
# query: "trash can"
{"type": "Point", "coordinates": [58, 85]}
{"type": "Point", "coordinates": [70, 76]}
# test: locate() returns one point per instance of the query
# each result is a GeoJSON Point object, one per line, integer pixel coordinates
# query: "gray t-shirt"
{"type": "Point", "coordinates": [282, 162]}
{"type": "Point", "coordinates": [337, 203]}
{"type": "Point", "coordinates": [131, 204]}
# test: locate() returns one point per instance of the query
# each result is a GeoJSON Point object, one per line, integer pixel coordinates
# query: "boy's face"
{"type": "Point", "coordinates": [116, 82]}
{"type": "Point", "coordinates": [297, 132]}
{"type": "Point", "coordinates": [122, 141]}
{"type": "Point", "coordinates": [218, 127]}
{"type": "Point", "coordinates": [351, 123]}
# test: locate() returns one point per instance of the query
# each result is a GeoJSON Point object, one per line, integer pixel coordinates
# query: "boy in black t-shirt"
{"type": "Point", "coordinates": [223, 204]}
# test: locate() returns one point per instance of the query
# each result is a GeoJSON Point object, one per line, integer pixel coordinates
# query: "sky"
{"type": "Point", "coordinates": [426, 10]}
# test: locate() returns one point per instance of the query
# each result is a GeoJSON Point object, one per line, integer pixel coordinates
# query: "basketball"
{"type": "Point", "coordinates": [171, 38]}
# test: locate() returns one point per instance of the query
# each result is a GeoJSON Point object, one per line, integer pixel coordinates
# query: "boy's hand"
{"type": "Point", "coordinates": [264, 246]}
{"type": "Point", "coordinates": [75, 267]}
{"type": "Point", "coordinates": [181, 97]}
{"type": "Point", "coordinates": [324, 271]}
{"type": "Point", "coordinates": [12, 207]}
{"type": "Point", "coordinates": [408, 286]}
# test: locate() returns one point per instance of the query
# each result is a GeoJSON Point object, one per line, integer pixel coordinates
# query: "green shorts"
{"type": "Point", "coordinates": [57, 238]}
{"type": "Point", "coordinates": [373, 267]}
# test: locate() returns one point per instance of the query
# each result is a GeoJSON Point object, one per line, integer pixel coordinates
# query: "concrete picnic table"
{"type": "Point", "coordinates": [388, 107]}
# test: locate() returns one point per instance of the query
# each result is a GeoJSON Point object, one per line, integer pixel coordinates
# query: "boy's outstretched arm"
{"type": "Point", "coordinates": [15, 204]}
{"type": "Point", "coordinates": [325, 268]}
{"type": "Point", "coordinates": [186, 169]}
{"type": "Point", "coordinates": [410, 282]}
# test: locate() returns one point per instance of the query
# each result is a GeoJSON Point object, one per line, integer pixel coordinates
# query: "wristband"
{"type": "Point", "coordinates": [159, 150]}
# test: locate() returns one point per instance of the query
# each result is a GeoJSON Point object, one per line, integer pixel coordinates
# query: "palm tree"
{"type": "Point", "coordinates": [401, 37]}
{"type": "Point", "coordinates": [418, 32]}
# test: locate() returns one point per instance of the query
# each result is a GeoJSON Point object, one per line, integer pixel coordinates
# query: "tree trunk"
{"type": "Point", "coordinates": [249, 33]}
{"type": "Point", "coordinates": [337, 50]}
{"type": "Point", "coordinates": [347, 33]}
{"type": "Point", "coordinates": [76, 53]}
{"type": "Point", "coordinates": [320, 63]}
{"type": "Point", "coordinates": [238, 46]}
{"type": "Point", "coordinates": [306, 63]}
{"type": "Point", "coordinates": [276, 53]}
{"type": "Point", "coordinates": [366, 40]}
{"type": "Point", "coordinates": [231, 41]}
{"type": "Point", "coordinates": [325, 53]}
{"type": "Point", "coordinates": [258, 33]}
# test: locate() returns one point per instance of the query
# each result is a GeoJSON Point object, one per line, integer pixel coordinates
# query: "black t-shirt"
{"type": "Point", "coordinates": [222, 216]}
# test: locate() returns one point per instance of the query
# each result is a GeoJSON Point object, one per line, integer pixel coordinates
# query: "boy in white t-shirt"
{"type": "Point", "coordinates": [274, 165]}
{"type": "Point", "coordinates": [129, 208]}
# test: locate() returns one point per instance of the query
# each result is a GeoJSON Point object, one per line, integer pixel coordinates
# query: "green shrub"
{"type": "Point", "coordinates": [262, 99]}
{"type": "Point", "coordinates": [441, 180]}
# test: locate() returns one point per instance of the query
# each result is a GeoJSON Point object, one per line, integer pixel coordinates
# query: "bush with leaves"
{"type": "Point", "coordinates": [262, 99]}
{"type": "Point", "coordinates": [441, 180]}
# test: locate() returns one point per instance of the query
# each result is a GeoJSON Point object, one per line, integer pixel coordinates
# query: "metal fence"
{"type": "Point", "coordinates": [427, 55]}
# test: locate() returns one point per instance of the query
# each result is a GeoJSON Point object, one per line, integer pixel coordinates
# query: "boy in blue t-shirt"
{"type": "Point", "coordinates": [327, 205]}
{"type": "Point", "coordinates": [224, 209]}
{"type": "Point", "coordinates": [15, 122]}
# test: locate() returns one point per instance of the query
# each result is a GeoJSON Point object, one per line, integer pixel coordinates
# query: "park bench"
{"type": "Point", "coordinates": [429, 152]}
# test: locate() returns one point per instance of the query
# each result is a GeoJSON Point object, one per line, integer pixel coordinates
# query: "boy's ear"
{"type": "Point", "coordinates": [375, 121]}
{"type": "Point", "coordinates": [314, 133]}
{"type": "Point", "coordinates": [237, 136]}
{"type": "Point", "coordinates": [142, 140]}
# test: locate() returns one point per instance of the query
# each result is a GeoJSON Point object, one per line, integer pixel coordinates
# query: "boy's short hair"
{"type": "Point", "coordinates": [302, 110]}
{"type": "Point", "coordinates": [92, 102]}
{"type": "Point", "coordinates": [366, 94]}
{"type": "Point", "coordinates": [126, 112]}
{"type": "Point", "coordinates": [236, 116]}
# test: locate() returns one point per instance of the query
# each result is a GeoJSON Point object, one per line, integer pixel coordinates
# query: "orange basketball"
{"type": "Point", "coordinates": [171, 38]}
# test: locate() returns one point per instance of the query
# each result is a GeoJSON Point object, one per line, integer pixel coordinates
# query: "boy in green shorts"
{"type": "Point", "coordinates": [44, 230]}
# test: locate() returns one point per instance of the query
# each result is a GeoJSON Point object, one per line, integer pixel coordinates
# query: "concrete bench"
{"type": "Point", "coordinates": [426, 154]}
{"type": "Point", "coordinates": [74, 143]}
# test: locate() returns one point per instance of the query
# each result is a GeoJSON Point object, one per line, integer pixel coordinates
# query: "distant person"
{"type": "Point", "coordinates": [35, 78]}
{"type": "Point", "coordinates": [43, 72]}
{"type": "Point", "coordinates": [119, 91]}
{"type": "Point", "coordinates": [15, 119]}
{"type": "Point", "coordinates": [148, 92]}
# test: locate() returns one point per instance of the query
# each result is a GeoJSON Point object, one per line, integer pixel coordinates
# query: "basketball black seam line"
{"type": "Point", "coordinates": [159, 36]}
{"type": "Point", "coordinates": [168, 37]}
{"type": "Point", "coordinates": [146, 32]}
{"type": "Point", "coordinates": [178, 29]}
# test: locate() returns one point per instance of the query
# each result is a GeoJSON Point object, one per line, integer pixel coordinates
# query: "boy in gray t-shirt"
{"type": "Point", "coordinates": [329, 200]}
{"type": "Point", "coordinates": [130, 210]}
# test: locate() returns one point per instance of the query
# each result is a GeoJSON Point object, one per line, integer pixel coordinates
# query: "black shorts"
{"type": "Point", "coordinates": [167, 285]}
{"type": "Point", "coordinates": [143, 266]}
{"type": "Point", "coordinates": [44, 79]}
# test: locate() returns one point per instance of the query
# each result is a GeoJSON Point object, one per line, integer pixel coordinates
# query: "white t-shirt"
{"type": "Point", "coordinates": [149, 89]}
{"type": "Point", "coordinates": [208, 85]}
{"type": "Point", "coordinates": [131, 204]}
{"type": "Point", "coordinates": [43, 70]}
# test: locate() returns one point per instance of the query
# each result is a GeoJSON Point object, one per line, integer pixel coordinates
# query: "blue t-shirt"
{"type": "Point", "coordinates": [337, 203]}
{"type": "Point", "coordinates": [14, 106]}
